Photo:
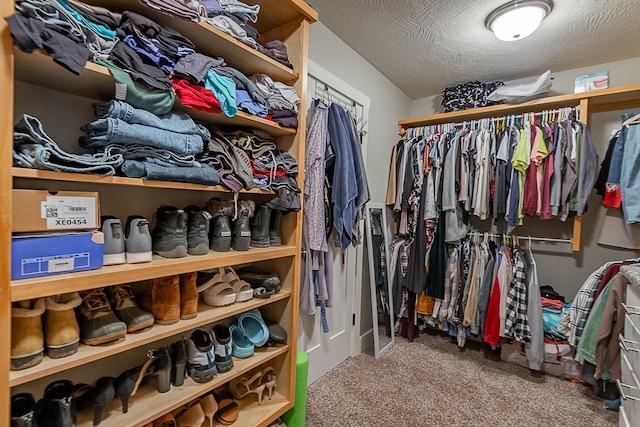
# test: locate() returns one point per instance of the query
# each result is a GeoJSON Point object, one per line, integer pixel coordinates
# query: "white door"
{"type": "Point", "coordinates": [344, 339]}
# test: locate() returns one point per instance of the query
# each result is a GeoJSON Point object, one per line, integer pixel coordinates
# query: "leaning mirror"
{"type": "Point", "coordinates": [381, 304]}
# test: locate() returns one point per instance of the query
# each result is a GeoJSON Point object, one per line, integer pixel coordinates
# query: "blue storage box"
{"type": "Point", "coordinates": [38, 255]}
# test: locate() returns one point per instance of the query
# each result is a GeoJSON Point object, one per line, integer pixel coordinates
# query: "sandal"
{"type": "Point", "coordinates": [241, 346]}
{"type": "Point", "coordinates": [227, 412]}
{"type": "Point", "coordinates": [215, 291]}
{"type": "Point", "coordinates": [243, 290]}
{"type": "Point", "coordinates": [268, 379]}
{"type": "Point", "coordinates": [191, 417]}
{"type": "Point", "coordinates": [253, 327]}
{"type": "Point", "coordinates": [242, 386]}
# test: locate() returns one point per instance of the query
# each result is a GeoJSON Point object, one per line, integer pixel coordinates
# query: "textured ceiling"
{"type": "Point", "coordinates": [423, 46]}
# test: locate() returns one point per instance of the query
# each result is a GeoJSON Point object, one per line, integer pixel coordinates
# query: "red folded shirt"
{"type": "Point", "coordinates": [196, 97]}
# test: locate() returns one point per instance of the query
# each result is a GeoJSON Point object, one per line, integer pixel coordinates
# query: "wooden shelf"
{"type": "Point", "coordinates": [17, 172]}
{"type": "Point", "coordinates": [127, 273]}
{"type": "Point", "coordinates": [598, 100]}
{"type": "Point", "coordinates": [96, 82]}
{"type": "Point", "coordinates": [148, 404]}
{"type": "Point", "coordinates": [87, 353]}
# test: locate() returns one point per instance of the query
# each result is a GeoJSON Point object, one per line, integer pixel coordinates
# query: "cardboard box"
{"type": "Point", "coordinates": [54, 253]}
{"type": "Point", "coordinates": [41, 210]}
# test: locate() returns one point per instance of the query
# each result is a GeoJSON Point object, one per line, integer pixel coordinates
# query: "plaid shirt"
{"type": "Point", "coordinates": [516, 323]}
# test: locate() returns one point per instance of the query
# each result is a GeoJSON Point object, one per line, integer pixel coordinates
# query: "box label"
{"type": "Point", "coordinates": [59, 265]}
{"type": "Point", "coordinates": [69, 212]}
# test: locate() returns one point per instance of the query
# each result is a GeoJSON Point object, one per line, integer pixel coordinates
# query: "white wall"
{"type": "Point", "coordinates": [558, 266]}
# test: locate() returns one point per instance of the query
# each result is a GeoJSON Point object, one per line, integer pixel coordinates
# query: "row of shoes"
{"type": "Point", "coordinates": [192, 230]}
{"type": "Point", "coordinates": [57, 324]}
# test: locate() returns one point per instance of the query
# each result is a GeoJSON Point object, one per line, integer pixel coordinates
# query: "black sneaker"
{"type": "Point", "coordinates": [258, 278]}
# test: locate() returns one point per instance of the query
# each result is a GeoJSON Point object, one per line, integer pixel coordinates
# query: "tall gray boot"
{"type": "Point", "coordinates": [260, 227]}
{"type": "Point", "coordinates": [197, 230]}
{"type": "Point", "coordinates": [169, 237]}
{"type": "Point", "coordinates": [219, 226]}
{"type": "Point", "coordinates": [240, 228]}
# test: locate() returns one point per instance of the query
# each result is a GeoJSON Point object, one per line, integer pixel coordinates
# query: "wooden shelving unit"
{"type": "Point", "coordinates": [588, 102]}
{"type": "Point", "coordinates": [286, 20]}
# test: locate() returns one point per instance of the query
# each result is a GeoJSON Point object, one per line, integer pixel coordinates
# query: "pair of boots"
{"type": "Point", "coordinates": [55, 409]}
{"type": "Point", "coordinates": [179, 232]}
{"type": "Point", "coordinates": [61, 330]}
{"type": "Point", "coordinates": [171, 298]}
{"type": "Point", "coordinates": [225, 234]}
{"type": "Point", "coordinates": [265, 227]}
{"type": "Point", "coordinates": [108, 314]}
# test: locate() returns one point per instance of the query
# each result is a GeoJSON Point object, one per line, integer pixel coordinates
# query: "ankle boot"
{"type": "Point", "coordinates": [188, 295]}
{"type": "Point", "coordinates": [240, 228]}
{"type": "Point", "coordinates": [169, 237]}
{"type": "Point", "coordinates": [260, 227]}
{"type": "Point", "coordinates": [62, 333]}
{"type": "Point", "coordinates": [162, 299]}
{"type": "Point", "coordinates": [125, 308]}
{"type": "Point", "coordinates": [98, 324]}
{"type": "Point", "coordinates": [274, 228]}
{"type": "Point", "coordinates": [22, 405]}
{"type": "Point", "coordinates": [57, 408]}
{"type": "Point", "coordinates": [197, 230]}
{"type": "Point", "coordinates": [219, 227]}
{"type": "Point", "coordinates": [27, 341]}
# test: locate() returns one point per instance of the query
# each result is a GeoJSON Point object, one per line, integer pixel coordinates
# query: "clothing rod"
{"type": "Point", "coordinates": [535, 239]}
{"type": "Point", "coordinates": [509, 117]}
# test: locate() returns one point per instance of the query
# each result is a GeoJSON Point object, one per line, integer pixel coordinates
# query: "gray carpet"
{"type": "Point", "coordinates": [431, 383]}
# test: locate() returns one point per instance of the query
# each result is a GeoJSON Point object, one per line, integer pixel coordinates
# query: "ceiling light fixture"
{"type": "Point", "coordinates": [518, 18]}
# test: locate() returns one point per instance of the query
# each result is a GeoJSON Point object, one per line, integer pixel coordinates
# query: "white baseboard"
{"type": "Point", "coordinates": [366, 340]}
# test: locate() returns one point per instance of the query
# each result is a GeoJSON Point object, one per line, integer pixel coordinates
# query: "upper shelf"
{"type": "Point", "coordinates": [96, 82]}
{"type": "Point", "coordinates": [17, 172]}
{"type": "Point", "coordinates": [211, 41]}
{"type": "Point", "coordinates": [598, 100]}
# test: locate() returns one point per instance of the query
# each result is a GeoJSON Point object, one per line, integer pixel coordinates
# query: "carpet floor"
{"type": "Point", "coordinates": [430, 382]}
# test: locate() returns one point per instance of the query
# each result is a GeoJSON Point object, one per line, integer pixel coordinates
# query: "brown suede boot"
{"type": "Point", "coordinates": [62, 333]}
{"type": "Point", "coordinates": [162, 299]}
{"type": "Point", "coordinates": [188, 296]}
{"type": "Point", "coordinates": [27, 341]}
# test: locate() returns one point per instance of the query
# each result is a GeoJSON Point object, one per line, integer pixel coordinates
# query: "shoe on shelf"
{"type": "Point", "coordinates": [125, 308]}
{"type": "Point", "coordinates": [228, 411]}
{"type": "Point", "coordinates": [215, 291]}
{"type": "Point", "coordinates": [61, 330]}
{"type": "Point", "coordinates": [138, 240]}
{"type": "Point", "coordinates": [219, 225]}
{"type": "Point", "coordinates": [277, 334]}
{"type": "Point", "coordinates": [169, 237]}
{"type": "Point", "coordinates": [192, 416]}
{"type": "Point", "coordinates": [189, 295]}
{"type": "Point", "coordinates": [243, 290]}
{"type": "Point", "coordinates": [259, 278]}
{"type": "Point", "coordinates": [201, 360]}
{"type": "Point", "coordinates": [162, 299]}
{"type": "Point", "coordinates": [241, 346]}
{"type": "Point", "coordinates": [124, 386]}
{"type": "Point", "coordinates": [260, 227]}
{"type": "Point", "coordinates": [27, 340]}
{"type": "Point", "coordinates": [253, 327]}
{"type": "Point", "coordinates": [274, 227]}
{"type": "Point", "coordinates": [197, 230]}
{"type": "Point", "coordinates": [101, 397]}
{"type": "Point", "coordinates": [57, 407]}
{"type": "Point", "coordinates": [22, 405]}
{"type": "Point", "coordinates": [222, 347]}
{"type": "Point", "coordinates": [240, 226]}
{"type": "Point", "coordinates": [114, 245]}
{"type": "Point", "coordinates": [98, 324]}
{"type": "Point", "coordinates": [179, 360]}
{"type": "Point", "coordinates": [209, 407]}
{"type": "Point", "coordinates": [268, 379]}
{"type": "Point", "coordinates": [241, 387]}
